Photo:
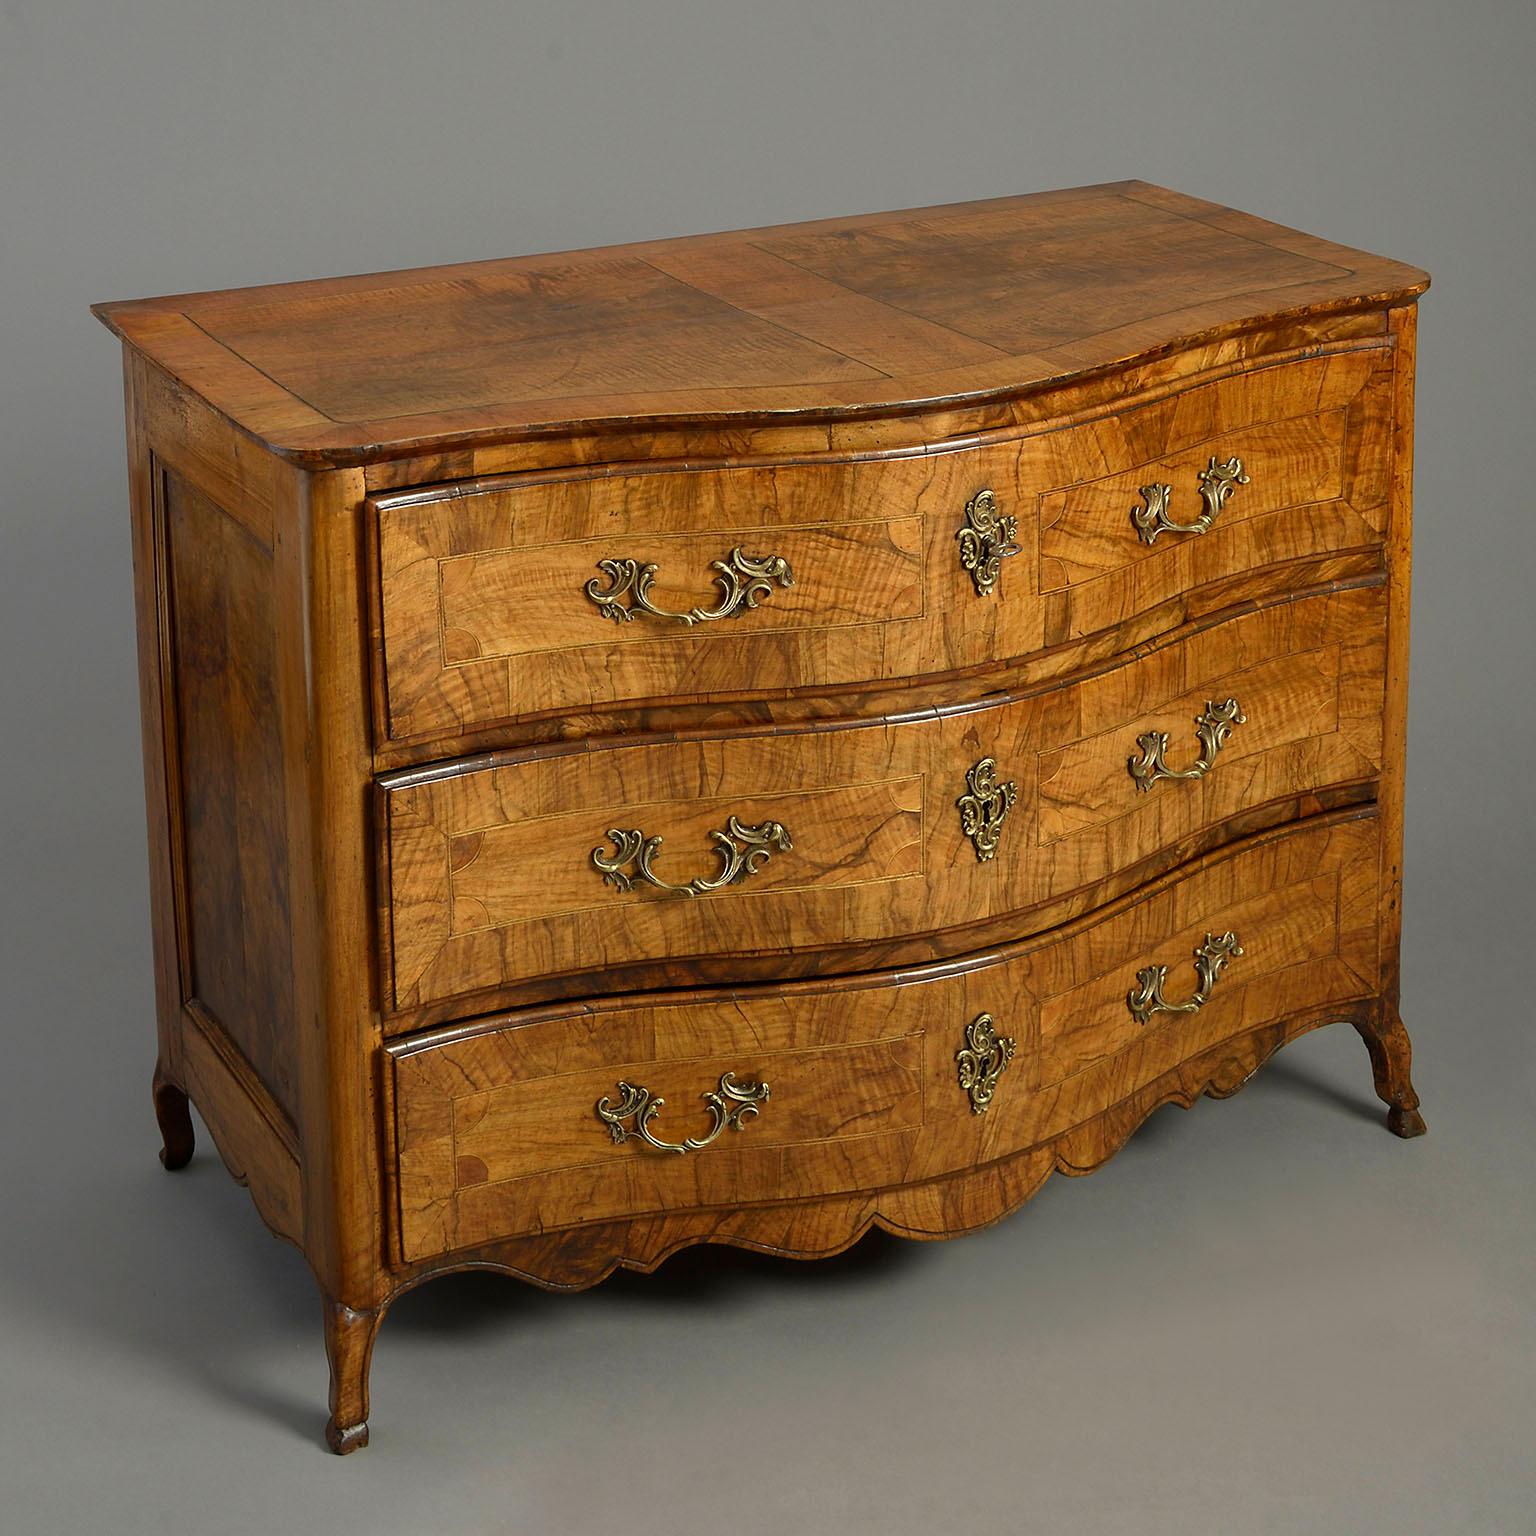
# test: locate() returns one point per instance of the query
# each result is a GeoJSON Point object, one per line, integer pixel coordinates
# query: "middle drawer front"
{"type": "Point", "coordinates": [706, 851]}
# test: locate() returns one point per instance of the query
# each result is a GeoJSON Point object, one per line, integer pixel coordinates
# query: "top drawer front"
{"type": "Point", "coordinates": [758, 578]}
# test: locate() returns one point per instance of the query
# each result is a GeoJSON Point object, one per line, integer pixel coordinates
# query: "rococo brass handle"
{"type": "Point", "coordinates": [744, 581]}
{"type": "Point", "coordinates": [1217, 480]}
{"type": "Point", "coordinates": [1213, 727]}
{"type": "Point", "coordinates": [1147, 997]}
{"type": "Point", "coordinates": [732, 1104]}
{"type": "Point", "coordinates": [986, 540]}
{"type": "Point", "coordinates": [742, 851]}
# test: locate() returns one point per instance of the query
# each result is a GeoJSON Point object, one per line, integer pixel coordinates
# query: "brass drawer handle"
{"type": "Point", "coordinates": [742, 851]}
{"type": "Point", "coordinates": [744, 581]}
{"type": "Point", "coordinates": [1213, 728]}
{"type": "Point", "coordinates": [732, 1104]}
{"type": "Point", "coordinates": [986, 540]}
{"type": "Point", "coordinates": [982, 1060]}
{"type": "Point", "coordinates": [1147, 997]}
{"type": "Point", "coordinates": [1217, 481]}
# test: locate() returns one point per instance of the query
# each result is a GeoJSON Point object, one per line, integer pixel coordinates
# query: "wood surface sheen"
{"type": "Point", "coordinates": [498, 1136]}
{"type": "Point", "coordinates": [485, 618]}
{"type": "Point", "coordinates": [384, 727]}
{"type": "Point", "coordinates": [235, 946]}
{"type": "Point", "coordinates": [490, 873]}
{"type": "Point", "coordinates": [844, 317]}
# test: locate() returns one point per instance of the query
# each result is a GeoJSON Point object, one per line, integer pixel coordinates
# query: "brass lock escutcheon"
{"type": "Point", "coordinates": [986, 540]}
{"type": "Point", "coordinates": [982, 1060]}
{"type": "Point", "coordinates": [984, 807]}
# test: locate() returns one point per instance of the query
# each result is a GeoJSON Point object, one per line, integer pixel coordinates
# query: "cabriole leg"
{"type": "Point", "coordinates": [349, 1337]}
{"type": "Point", "coordinates": [176, 1138]}
{"type": "Point", "coordinates": [1391, 1060]}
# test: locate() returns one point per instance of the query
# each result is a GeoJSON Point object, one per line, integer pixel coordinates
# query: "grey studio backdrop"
{"type": "Point", "coordinates": [1266, 1315]}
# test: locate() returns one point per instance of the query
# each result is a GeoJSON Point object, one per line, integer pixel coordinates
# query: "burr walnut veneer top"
{"type": "Point", "coordinates": [826, 320]}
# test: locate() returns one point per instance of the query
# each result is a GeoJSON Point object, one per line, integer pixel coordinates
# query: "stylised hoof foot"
{"type": "Point", "coordinates": [349, 1336]}
{"type": "Point", "coordinates": [176, 1138]}
{"type": "Point", "coordinates": [1391, 1062]}
{"type": "Point", "coordinates": [344, 1439]}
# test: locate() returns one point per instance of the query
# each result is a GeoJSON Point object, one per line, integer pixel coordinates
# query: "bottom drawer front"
{"type": "Point", "coordinates": [516, 1130]}
{"type": "Point", "coordinates": [502, 1132]}
{"type": "Point", "coordinates": [554, 1118]}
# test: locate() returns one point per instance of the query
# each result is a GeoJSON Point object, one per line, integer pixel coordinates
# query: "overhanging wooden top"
{"type": "Point", "coordinates": [833, 319]}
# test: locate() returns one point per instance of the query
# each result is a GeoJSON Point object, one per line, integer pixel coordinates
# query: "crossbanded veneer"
{"type": "Point", "coordinates": [758, 736]}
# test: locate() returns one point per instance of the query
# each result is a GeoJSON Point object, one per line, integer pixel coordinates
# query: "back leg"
{"type": "Point", "coordinates": [175, 1121]}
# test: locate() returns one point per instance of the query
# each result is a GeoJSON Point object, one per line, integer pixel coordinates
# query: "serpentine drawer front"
{"type": "Point", "coordinates": [836, 840]}
{"type": "Point", "coordinates": [564, 592]}
{"type": "Point", "coordinates": [751, 737]}
{"type": "Point", "coordinates": [500, 1131]}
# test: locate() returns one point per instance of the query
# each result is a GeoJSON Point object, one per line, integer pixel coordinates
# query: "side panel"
{"type": "Point", "coordinates": [205, 592]}
{"type": "Point", "coordinates": [228, 788]}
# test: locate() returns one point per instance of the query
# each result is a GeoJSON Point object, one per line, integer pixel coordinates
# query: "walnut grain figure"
{"type": "Point", "coordinates": [875, 505]}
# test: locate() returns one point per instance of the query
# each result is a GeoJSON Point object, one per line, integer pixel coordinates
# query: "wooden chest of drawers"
{"type": "Point", "coordinates": [751, 737]}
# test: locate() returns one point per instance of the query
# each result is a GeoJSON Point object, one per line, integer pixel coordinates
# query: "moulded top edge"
{"type": "Point", "coordinates": [875, 315]}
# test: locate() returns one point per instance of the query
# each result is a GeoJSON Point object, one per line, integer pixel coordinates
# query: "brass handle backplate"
{"type": "Point", "coordinates": [1213, 727]}
{"type": "Point", "coordinates": [732, 1104]}
{"type": "Point", "coordinates": [742, 851]}
{"type": "Point", "coordinates": [982, 1060]}
{"type": "Point", "coordinates": [1147, 996]}
{"type": "Point", "coordinates": [1217, 481]}
{"type": "Point", "coordinates": [744, 581]}
{"type": "Point", "coordinates": [986, 540]}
